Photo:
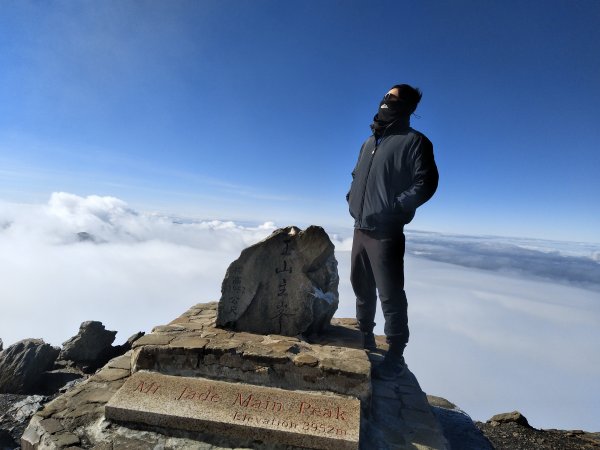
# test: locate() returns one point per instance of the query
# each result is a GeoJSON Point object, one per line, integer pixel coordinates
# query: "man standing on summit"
{"type": "Point", "coordinates": [394, 175]}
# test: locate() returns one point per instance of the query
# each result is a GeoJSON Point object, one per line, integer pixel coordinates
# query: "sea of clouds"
{"type": "Point", "coordinates": [497, 324]}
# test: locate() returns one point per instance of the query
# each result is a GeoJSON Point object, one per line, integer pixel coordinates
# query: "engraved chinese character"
{"type": "Point", "coordinates": [285, 268]}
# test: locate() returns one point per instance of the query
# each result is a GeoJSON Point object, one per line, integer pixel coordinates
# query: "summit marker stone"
{"type": "Point", "coordinates": [286, 284]}
{"type": "Point", "coordinates": [238, 410]}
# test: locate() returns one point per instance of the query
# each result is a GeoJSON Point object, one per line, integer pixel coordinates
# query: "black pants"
{"type": "Point", "coordinates": [378, 266]}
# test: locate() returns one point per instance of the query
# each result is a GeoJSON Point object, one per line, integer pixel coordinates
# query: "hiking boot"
{"type": "Point", "coordinates": [393, 364]}
{"type": "Point", "coordinates": [391, 368]}
{"type": "Point", "coordinates": [368, 340]}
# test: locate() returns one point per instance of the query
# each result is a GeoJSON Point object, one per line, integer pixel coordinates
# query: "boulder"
{"type": "Point", "coordinates": [22, 365]}
{"type": "Point", "coordinates": [89, 345]}
{"type": "Point", "coordinates": [514, 416]}
{"type": "Point", "coordinates": [286, 284]}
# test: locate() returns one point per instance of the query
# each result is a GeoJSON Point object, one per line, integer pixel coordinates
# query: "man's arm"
{"type": "Point", "coordinates": [425, 177]}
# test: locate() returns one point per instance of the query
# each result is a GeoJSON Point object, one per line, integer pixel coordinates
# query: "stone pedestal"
{"type": "Point", "coordinates": [263, 391]}
{"type": "Point", "coordinates": [192, 346]}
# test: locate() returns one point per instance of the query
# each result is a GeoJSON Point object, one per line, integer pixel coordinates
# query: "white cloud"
{"type": "Point", "coordinates": [488, 340]}
{"type": "Point", "coordinates": [110, 220]}
{"type": "Point", "coordinates": [139, 270]}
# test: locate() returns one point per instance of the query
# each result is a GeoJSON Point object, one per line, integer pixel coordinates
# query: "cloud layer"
{"type": "Point", "coordinates": [77, 259]}
{"type": "Point", "coordinates": [572, 263]}
{"type": "Point", "coordinates": [493, 331]}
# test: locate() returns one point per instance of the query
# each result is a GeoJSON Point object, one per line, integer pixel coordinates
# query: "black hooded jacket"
{"type": "Point", "coordinates": [392, 178]}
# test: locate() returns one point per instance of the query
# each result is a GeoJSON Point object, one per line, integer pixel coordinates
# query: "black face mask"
{"type": "Point", "coordinates": [391, 111]}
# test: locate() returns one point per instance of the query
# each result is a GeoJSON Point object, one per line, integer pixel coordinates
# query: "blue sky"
{"type": "Point", "coordinates": [255, 110]}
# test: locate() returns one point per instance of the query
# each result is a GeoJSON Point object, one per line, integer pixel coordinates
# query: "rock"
{"type": "Point", "coordinates": [459, 429]}
{"type": "Point", "coordinates": [23, 364]}
{"type": "Point", "coordinates": [1, 344]}
{"type": "Point", "coordinates": [286, 284]}
{"type": "Point", "coordinates": [71, 384]}
{"type": "Point", "coordinates": [89, 346]}
{"type": "Point", "coordinates": [25, 408]}
{"type": "Point", "coordinates": [118, 350]}
{"type": "Point", "coordinates": [440, 402]}
{"type": "Point", "coordinates": [514, 416]}
{"type": "Point", "coordinates": [84, 236]}
{"type": "Point", "coordinates": [54, 380]}
{"type": "Point", "coordinates": [128, 344]}
{"type": "Point", "coordinates": [511, 435]}
{"type": "Point", "coordinates": [7, 440]}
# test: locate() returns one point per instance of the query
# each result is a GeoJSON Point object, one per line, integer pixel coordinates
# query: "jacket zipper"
{"type": "Point", "coordinates": [362, 202]}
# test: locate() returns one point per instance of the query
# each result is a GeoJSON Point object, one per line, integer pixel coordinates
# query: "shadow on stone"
{"type": "Point", "coordinates": [460, 431]}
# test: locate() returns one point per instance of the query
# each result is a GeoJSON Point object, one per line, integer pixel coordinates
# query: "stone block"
{"type": "Point", "coordinates": [271, 415]}
{"type": "Point", "coordinates": [153, 339]}
{"type": "Point", "coordinates": [302, 367]}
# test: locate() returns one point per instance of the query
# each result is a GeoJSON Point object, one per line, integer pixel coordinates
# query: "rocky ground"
{"type": "Point", "coordinates": [6, 402]}
{"type": "Point", "coordinates": [15, 412]}
{"type": "Point", "coordinates": [507, 431]}
{"type": "Point", "coordinates": [33, 373]}
{"type": "Point", "coordinates": [401, 417]}
{"type": "Point", "coordinates": [511, 431]}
